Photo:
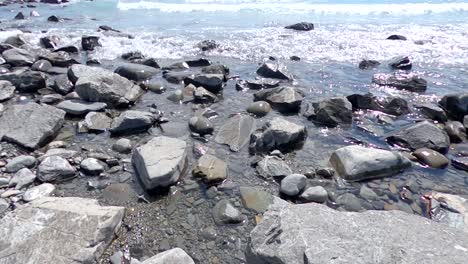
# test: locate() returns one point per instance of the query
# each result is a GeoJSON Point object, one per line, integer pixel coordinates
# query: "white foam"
{"type": "Point", "coordinates": [291, 6]}
{"type": "Point", "coordinates": [6, 34]}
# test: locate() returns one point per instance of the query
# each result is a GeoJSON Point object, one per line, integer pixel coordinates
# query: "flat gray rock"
{"type": "Point", "coordinates": [236, 132]}
{"type": "Point", "coordinates": [97, 122]}
{"type": "Point", "coordinates": [18, 57]}
{"type": "Point", "coordinates": [132, 121]}
{"type": "Point", "coordinates": [136, 72]}
{"type": "Point", "coordinates": [172, 256]}
{"type": "Point", "coordinates": [39, 191]}
{"type": "Point", "coordinates": [421, 135]}
{"type": "Point", "coordinates": [31, 125]}
{"type": "Point", "coordinates": [314, 233]}
{"type": "Point", "coordinates": [285, 98]}
{"type": "Point", "coordinates": [78, 107]}
{"type": "Point", "coordinates": [99, 85]}
{"type": "Point", "coordinates": [58, 230]}
{"type": "Point", "coordinates": [356, 163]}
{"type": "Point", "coordinates": [272, 167]}
{"type": "Point", "coordinates": [7, 90]}
{"type": "Point", "coordinates": [160, 162]}
{"type": "Point", "coordinates": [55, 168]}
{"type": "Point", "coordinates": [25, 81]}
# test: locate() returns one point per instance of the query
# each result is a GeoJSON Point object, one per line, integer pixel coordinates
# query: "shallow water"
{"type": "Point", "coordinates": [249, 32]}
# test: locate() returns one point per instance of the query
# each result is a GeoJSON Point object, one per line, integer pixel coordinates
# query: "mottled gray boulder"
{"type": "Point", "coordinates": [284, 98]}
{"type": "Point", "coordinates": [172, 256]}
{"type": "Point", "coordinates": [97, 122]}
{"type": "Point", "coordinates": [225, 213]}
{"type": "Point", "coordinates": [39, 191]}
{"type": "Point", "coordinates": [421, 135]}
{"type": "Point", "coordinates": [55, 168]}
{"type": "Point", "coordinates": [99, 85]}
{"type": "Point", "coordinates": [91, 166]}
{"type": "Point", "coordinates": [160, 162]}
{"type": "Point", "coordinates": [79, 108]}
{"type": "Point", "coordinates": [136, 72]}
{"type": "Point", "coordinates": [210, 169]}
{"type": "Point", "coordinates": [259, 108]}
{"type": "Point", "coordinates": [25, 81]}
{"type": "Point", "coordinates": [211, 82]}
{"type": "Point", "coordinates": [401, 81]}
{"type": "Point", "coordinates": [333, 112]}
{"type": "Point", "coordinates": [290, 234]}
{"type": "Point", "coordinates": [132, 122]}
{"type": "Point", "coordinates": [431, 158]}
{"type": "Point", "coordinates": [7, 90]}
{"type": "Point", "coordinates": [432, 111]}
{"type": "Point", "coordinates": [456, 105]}
{"type": "Point", "coordinates": [356, 163]}
{"type": "Point", "coordinates": [278, 134]}
{"type": "Point", "coordinates": [22, 178]}
{"type": "Point", "coordinates": [302, 26]}
{"type": "Point", "coordinates": [293, 184]}
{"type": "Point", "coordinates": [22, 161]}
{"type": "Point", "coordinates": [236, 132]}
{"type": "Point", "coordinates": [58, 230]}
{"type": "Point", "coordinates": [31, 125]}
{"type": "Point", "coordinates": [18, 57]}
{"type": "Point", "coordinates": [274, 70]}
{"type": "Point", "coordinates": [273, 167]}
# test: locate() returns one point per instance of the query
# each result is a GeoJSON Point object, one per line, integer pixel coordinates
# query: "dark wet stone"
{"type": "Point", "coordinates": [368, 64]}
{"type": "Point", "coordinates": [401, 63]}
{"type": "Point", "coordinates": [216, 69]}
{"type": "Point", "coordinates": [460, 163]}
{"type": "Point", "coordinates": [136, 72]}
{"type": "Point", "coordinates": [62, 85]}
{"type": "Point", "coordinates": [284, 98]}
{"type": "Point", "coordinates": [420, 135]}
{"type": "Point", "coordinates": [203, 96]}
{"type": "Point", "coordinates": [107, 28]}
{"type": "Point", "coordinates": [53, 19]}
{"type": "Point", "coordinates": [274, 70]}
{"type": "Point", "coordinates": [293, 184]}
{"type": "Point", "coordinates": [272, 167]}
{"type": "Point", "coordinates": [302, 26]}
{"type": "Point", "coordinates": [198, 63]}
{"type": "Point", "coordinates": [257, 84]}
{"type": "Point", "coordinates": [259, 108]}
{"type": "Point", "coordinates": [432, 111]}
{"type": "Point", "coordinates": [225, 213]}
{"type": "Point", "coordinates": [456, 131]}
{"type": "Point", "coordinates": [89, 43]}
{"type": "Point", "coordinates": [431, 158]}
{"type": "Point", "coordinates": [201, 125]}
{"type": "Point", "coordinates": [18, 57]}
{"type": "Point", "coordinates": [7, 90]}
{"type": "Point", "coordinates": [151, 62]}
{"type": "Point", "coordinates": [207, 45]}
{"type": "Point", "coordinates": [41, 65]}
{"type": "Point", "coordinates": [211, 169]}
{"type": "Point", "coordinates": [349, 202]}
{"type": "Point", "coordinates": [211, 82]}
{"type": "Point", "coordinates": [333, 112]}
{"type": "Point", "coordinates": [59, 59]}
{"type": "Point", "coordinates": [397, 37]}
{"type": "Point", "coordinates": [316, 194]}
{"type": "Point", "coordinates": [68, 49]}
{"type": "Point", "coordinates": [401, 81]}
{"type": "Point", "coordinates": [77, 107]}
{"type": "Point", "coordinates": [19, 16]}
{"type": "Point", "coordinates": [236, 132]}
{"type": "Point", "coordinates": [156, 88]}
{"type": "Point", "coordinates": [130, 122]}
{"type": "Point", "coordinates": [325, 172]}
{"type": "Point", "coordinates": [295, 58]}
{"type": "Point", "coordinates": [50, 42]}
{"type": "Point", "coordinates": [456, 105]}
{"type": "Point", "coordinates": [391, 105]}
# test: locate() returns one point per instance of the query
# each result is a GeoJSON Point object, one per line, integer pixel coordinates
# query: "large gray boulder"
{"type": "Point", "coordinates": [136, 72]}
{"type": "Point", "coordinates": [284, 98]}
{"type": "Point", "coordinates": [278, 134]}
{"type": "Point", "coordinates": [99, 85]}
{"type": "Point", "coordinates": [25, 81]}
{"type": "Point", "coordinates": [31, 125]}
{"type": "Point", "coordinates": [78, 107]}
{"type": "Point", "coordinates": [18, 57]}
{"type": "Point", "coordinates": [356, 163]}
{"type": "Point", "coordinates": [333, 112]}
{"type": "Point", "coordinates": [391, 105]}
{"type": "Point", "coordinates": [236, 132]}
{"type": "Point", "coordinates": [314, 233]}
{"type": "Point", "coordinates": [58, 230]}
{"type": "Point", "coordinates": [132, 121]}
{"type": "Point", "coordinates": [160, 162]}
{"type": "Point", "coordinates": [421, 135]}
{"type": "Point", "coordinates": [172, 256]}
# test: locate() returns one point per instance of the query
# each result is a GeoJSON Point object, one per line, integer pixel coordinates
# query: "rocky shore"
{"type": "Point", "coordinates": [146, 160]}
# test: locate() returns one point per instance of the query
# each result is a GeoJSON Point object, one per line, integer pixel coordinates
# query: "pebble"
{"type": "Point", "coordinates": [22, 178]}
{"type": "Point", "coordinates": [123, 145]}
{"type": "Point", "coordinates": [293, 184]}
{"type": "Point", "coordinates": [20, 162]}
{"type": "Point", "coordinates": [224, 212]}
{"type": "Point", "coordinates": [259, 108]}
{"type": "Point", "coordinates": [431, 158]}
{"type": "Point", "coordinates": [201, 125]}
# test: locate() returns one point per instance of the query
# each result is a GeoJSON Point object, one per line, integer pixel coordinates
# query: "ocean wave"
{"type": "Point", "coordinates": [292, 6]}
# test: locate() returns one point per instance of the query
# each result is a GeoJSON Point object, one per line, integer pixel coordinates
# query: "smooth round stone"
{"type": "Point", "coordinates": [20, 162]}
{"type": "Point", "coordinates": [293, 184]}
{"type": "Point", "coordinates": [456, 131]}
{"type": "Point", "coordinates": [431, 158]}
{"type": "Point", "coordinates": [316, 194]}
{"type": "Point", "coordinates": [156, 88]}
{"type": "Point", "coordinates": [43, 190]}
{"type": "Point", "coordinates": [122, 145]}
{"type": "Point", "coordinates": [260, 108]}
{"type": "Point", "coordinates": [176, 97]}
{"type": "Point", "coordinates": [200, 125]}
{"type": "Point", "coordinates": [91, 166]}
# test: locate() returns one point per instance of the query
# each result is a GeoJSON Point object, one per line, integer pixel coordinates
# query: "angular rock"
{"type": "Point", "coordinates": [333, 112]}
{"type": "Point", "coordinates": [50, 42]}
{"type": "Point", "coordinates": [460, 163]}
{"type": "Point", "coordinates": [203, 96]}
{"type": "Point", "coordinates": [198, 62]}
{"type": "Point", "coordinates": [431, 157]}
{"type": "Point", "coordinates": [55, 168]}
{"type": "Point", "coordinates": [7, 90]}
{"type": "Point", "coordinates": [18, 57]}
{"type": "Point", "coordinates": [401, 81]}
{"type": "Point", "coordinates": [201, 125]}
{"type": "Point", "coordinates": [289, 234]}
{"type": "Point", "coordinates": [25, 81]}
{"type": "Point", "coordinates": [450, 210]}
{"type": "Point", "coordinates": [80, 108]}
{"type": "Point", "coordinates": [68, 49]}
{"type": "Point", "coordinates": [89, 43]}
{"type": "Point", "coordinates": [132, 121]}
{"type": "Point", "coordinates": [216, 69]}
{"type": "Point", "coordinates": [210, 169]}
{"type": "Point", "coordinates": [293, 184]}
{"type": "Point", "coordinates": [91, 166]}
{"type": "Point", "coordinates": [420, 135]}
{"type": "Point", "coordinates": [236, 132]}
{"type": "Point", "coordinates": [100, 85]}
{"type": "Point", "coordinates": [61, 84]}
{"type": "Point", "coordinates": [70, 230]}
{"type": "Point", "coordinates": [63, 153]}
{"type": "Point", "coordinates": [225, 213]}
{"type": "Point", "coordinates": [36, 192]}
{"type": "Point", "coordinates": [259, 108]}
{"type": "Point", "coordinates": [278, 134]}
{"type": "Point", "coordinates": [20, 162]}
{"type": "Point", "coordinates": [211, 82]}
{"type": "Point", "coordinates": [274, 70]}
{"type": "Point", "coordinates": [456, 131]}
{"type": "Point", "coordinates": [15, 41]}
{"type": "Point", "coordinates": [172, 256]}
{"type": "Point", "coordinates": [285, 98]}
{"type": "Point", "coordinates": [23, 178]}
{"type": "Point", "coordinates": [456, 105]}
{"type": "Point", "coordinates": [160, 162]}
{"type": "Point", "coordinates": [31, 125]}
{"type": "Point", "coordinates": [401, 63]}
{"type": "Point", "coordinates": [97, 122]}
{"type": "Point", "coordinates": [316, 194]}
{"type": "Point", "coordinates": [391, 105]}
{"type": "Point", "coordinates": [433, 112]}
{"type": "Point", "coordinates": [272, 167]}
{"type": "Point", "coordinates": [357, 163]}
{"type": "Point", "coordinates": [255, 198]}
{"type": "Point", "coordinates": [302, 26]}
{"type": "Point", "coordinates": [136, 72]}
{"type": "Point", "coordinates": [368, 64]}
{"type": "Point", "coordinates": [257, 84]}
{"type": "Point", "coordinates": [59, 59]}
